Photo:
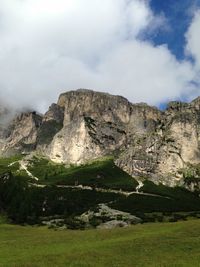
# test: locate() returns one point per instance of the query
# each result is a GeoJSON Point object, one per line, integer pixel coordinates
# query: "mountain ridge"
{"type": "Point", "coordinates": [148, 143]}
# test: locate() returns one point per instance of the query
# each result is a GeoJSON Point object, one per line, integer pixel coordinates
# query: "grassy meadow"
{"type": "Point", "coordinates": [151, 245]}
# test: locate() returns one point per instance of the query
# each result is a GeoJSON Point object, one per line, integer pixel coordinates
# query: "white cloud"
{"type": "Point", "coordinates": [146, 73]}
{"type": "Point", "coordinates": [193, 49]}
{"type": "Point", "coordinates": [193, 38]}
{"type": "Point", "coordinates": [48, 47]}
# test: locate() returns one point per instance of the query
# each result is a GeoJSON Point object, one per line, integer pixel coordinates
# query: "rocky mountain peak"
{"type": "Point", "coordinates": [55, 113]}
{"type": "Point", "coordinates": [176, 106]}
{"type": "Point", "coordinates": [22, 133]}
{"type": "Point", "coordinates": [86, 103]}
{"type": "Point", "coordinates": [85, 125]}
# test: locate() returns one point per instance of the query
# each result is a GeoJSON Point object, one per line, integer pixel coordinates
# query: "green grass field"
{"type": "Point", "coordinates": [151, 245]}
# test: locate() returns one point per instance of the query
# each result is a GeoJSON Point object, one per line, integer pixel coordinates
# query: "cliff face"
{"type": "Point", "coordinates": [85, 125]}
{"type": "Point", "coordinates": [98, 124]}
{"type": "Point", "coordinates": [93, 126]}
{"type": "Point", "coordinates": [21, 134]}
{"type": "Point", "coordinates": [169, 149]}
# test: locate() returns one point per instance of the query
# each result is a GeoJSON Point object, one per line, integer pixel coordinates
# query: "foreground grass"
{"type": "Point", "coordinates": [167, 244]}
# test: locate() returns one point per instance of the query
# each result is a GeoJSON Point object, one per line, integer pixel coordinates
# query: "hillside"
{"type": "Point", "coordinates": [38, 191]}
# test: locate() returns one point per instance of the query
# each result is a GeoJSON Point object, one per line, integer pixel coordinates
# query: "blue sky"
{"type": "Point", "coordinates": [179, 14]}
{"type": "Point", "coordinates": [146, 50]}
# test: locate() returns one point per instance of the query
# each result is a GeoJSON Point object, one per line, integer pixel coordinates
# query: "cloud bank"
{"type": "Point", "coordinates": [48, 47]}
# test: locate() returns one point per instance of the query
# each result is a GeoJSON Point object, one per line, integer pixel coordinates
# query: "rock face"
{"type": "Point", "coordinates": [107, 218]}
{"type": "Point", "coordinates": [84, 125]}
{"type": "Point", "coordinates": [6, 116]}
{"type": "Point", "coordinates": [170, 148]}
{"type": "Point", "coordinates": [21, 135]}
{"type": "Point", "coordinates": [98, 124]}
{"type": "Point", "coordinates": [93, 126]}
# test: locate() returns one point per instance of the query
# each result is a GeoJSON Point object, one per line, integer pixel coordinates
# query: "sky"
{"type": "Point", "coordinates": [146, 50]}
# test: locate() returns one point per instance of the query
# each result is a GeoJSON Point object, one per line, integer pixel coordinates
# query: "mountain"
{"type": "Point", "coordinates": [160, 146]}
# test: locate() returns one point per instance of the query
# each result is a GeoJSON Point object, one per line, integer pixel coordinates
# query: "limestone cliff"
{"type": "Point", "coordinates": [21, 134]}
{"type": "Point", "coordinates": [167, 151]}
{"type": "Point", "coordinates": [93, 126]}
{"type": "Point", "coordinates": [84, 125]}
{"type": "Point", "coordinates": [97, 124]}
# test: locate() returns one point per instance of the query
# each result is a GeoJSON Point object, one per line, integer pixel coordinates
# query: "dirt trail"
{"type": "Point", "coordinates": [23, 166]}
{"type": "Point", "coordinates": [103, 190]}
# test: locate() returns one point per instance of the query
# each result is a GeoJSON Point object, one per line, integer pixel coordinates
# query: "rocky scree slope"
{"type": "Point", "coordinates": [85, 125]}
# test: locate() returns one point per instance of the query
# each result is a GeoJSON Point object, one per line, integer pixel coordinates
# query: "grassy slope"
{"type": "Point", "coordinates": [174, 199]}
{"type": "Point", "coordinates": [5, 162]}
{"type": "Point", "coordinates": [168, 244]}
{"type": "Point", "coordinates": [101, 173]}
{"type": "Point", "coordinates": [105, 174]}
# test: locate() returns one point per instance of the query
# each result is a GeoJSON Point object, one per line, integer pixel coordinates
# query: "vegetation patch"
{"type": "Point", "coordinates": [167, 200]}
{"type": "Point", "coordinates": [29, 204]}
{"type": "Point", "coordinates": [100, 173]}
{"type": "Point", "coordinates": [26, 202]}
{"type": "Point", "coordinates": [90, 123]}
{"type": "Point", "coordinates": [10, 164]}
